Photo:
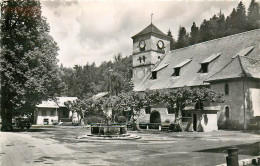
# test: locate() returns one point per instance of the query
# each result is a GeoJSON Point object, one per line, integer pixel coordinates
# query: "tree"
{"type": "Point", "coordinates": [29, 65]}
{"type": "Point", "coordinates": [253, 16]}
{"type": "Point", "coordinates": [241, 17]}
{"type": "Point", "coordinates": [206, 31]}
{"type": "Point", "coordinates": [221, 23]}
{"type": "Point", "coordinates": [183, 38]}
{"type": "Point", "coordinates": [233, 21]}
{"type": "Point", "coordinates": [194, 33]}
{"type": "Point", "coordinates": [178, 99]}
{"type": "Point", "coordinates": [172, 41]}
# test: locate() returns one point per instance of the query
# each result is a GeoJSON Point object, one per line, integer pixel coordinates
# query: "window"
{"type": "Point", "coordinates": [227, 112]}
{"type": "Point", "coordinates": [52, 113]}
{"type": "Point", "coordinates": [205, 63]}
{"type": "Point", "coordinates": [154, 75]}
{"type": "Point", "coordinates": [204, 67]}
{"type": "Point", "coordinates": [44, 113]}
{"type": "Point", "coordinates": [226, 89]}
{"type": "Point", "coordinates": [176, 72]}
{"type": "Point", "coordinates": [147, 110]}
{"type": "Point", "coordinates": [177, 68]}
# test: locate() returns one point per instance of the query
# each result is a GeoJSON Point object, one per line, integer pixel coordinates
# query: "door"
{"type": "Point", "coordinates": [194, 120]}
{"type": "Point", "coordinates": [155, 119]}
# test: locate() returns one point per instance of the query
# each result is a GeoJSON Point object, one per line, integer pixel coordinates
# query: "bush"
{"type": "Point", "coordinates": [94, 119]}
{"type": "Point", "coordinates": [121, 119]}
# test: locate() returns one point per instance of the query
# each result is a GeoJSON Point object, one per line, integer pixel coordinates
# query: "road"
{"type": "Point", "coordinates": [59, 146]}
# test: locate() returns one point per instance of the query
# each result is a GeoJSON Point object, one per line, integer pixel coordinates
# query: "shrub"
{"type": "Point", "coordinates": [121, 119]}
{"type": "Point", "coordinates": [94, 119]}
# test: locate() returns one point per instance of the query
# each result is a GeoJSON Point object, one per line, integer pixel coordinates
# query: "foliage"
{"type": "Point", "coordinates": [218, 25]}
{"type": "Point", "coordinates": [28, 64]}
{"type": "Point", "coordinates": [133, 102]}
{"type": "Point", "coordinates": [88, 80]}
{"type": "Point", "coordinates": [94, 119]}
{"type": "Point", "coordinates": [121, 119]}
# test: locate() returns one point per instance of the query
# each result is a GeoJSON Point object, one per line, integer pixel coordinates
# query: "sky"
{"type": "Point", "coordinates": [94, 31]}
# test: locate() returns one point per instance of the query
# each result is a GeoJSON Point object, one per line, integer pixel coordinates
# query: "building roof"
{"type": "Point", "coordinates": [56, 104]}
{"type": "Point", "coordinates": [48, 104]}
{"type": "Point", "coordinates": [190, 74]}
{"type": "Point", "coordinates": [150, 29]}
{"type": "Point", "coordinates": [62, 100]}
{"type": "Point", "coordinates": [238, 67]}
{"type": "Point", "coordinates": [99, 95]}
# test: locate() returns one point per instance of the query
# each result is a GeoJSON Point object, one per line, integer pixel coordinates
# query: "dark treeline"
{"type": "Point", "coordinates": [85, 81]}
{"type": "Point", "coordinates": [218, 26]}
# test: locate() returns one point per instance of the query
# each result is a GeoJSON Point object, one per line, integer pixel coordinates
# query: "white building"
{"type": "Point", "coordinates": [49, 112]}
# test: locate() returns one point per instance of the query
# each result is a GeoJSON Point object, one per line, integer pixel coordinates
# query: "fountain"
{"type": "Point", "coordinates": [109, 131]}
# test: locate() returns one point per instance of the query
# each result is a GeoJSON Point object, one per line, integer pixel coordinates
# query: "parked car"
{"type": "Point", "coordinates": [23, 123]}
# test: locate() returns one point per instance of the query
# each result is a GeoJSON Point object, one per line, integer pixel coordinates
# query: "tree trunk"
{"type": "Point", "coordinates": [6, 114]}
{"type": "Point", "coordinates": [136, 125]}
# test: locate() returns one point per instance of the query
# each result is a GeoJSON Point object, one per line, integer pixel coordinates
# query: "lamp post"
{"type": "Point", "coordinates": [110, 81]}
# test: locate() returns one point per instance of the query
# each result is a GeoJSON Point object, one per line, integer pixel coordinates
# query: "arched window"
{"type": "Point", "coordinates": [226, 89]}
{"type": "Point", "coordinates": [227, 112]}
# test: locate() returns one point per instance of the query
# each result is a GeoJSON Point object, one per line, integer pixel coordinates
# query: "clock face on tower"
{"type": "Point", "coordinates": [142, 44]}
{"type": "Point", "coordinates": [160, 44]}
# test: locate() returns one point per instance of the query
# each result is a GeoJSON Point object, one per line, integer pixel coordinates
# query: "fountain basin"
{"type": "Point", "coordinates": [108, 130]}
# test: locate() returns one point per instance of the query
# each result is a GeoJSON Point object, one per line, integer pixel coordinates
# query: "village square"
{"type": "Point", "coordinates": [193, 100]}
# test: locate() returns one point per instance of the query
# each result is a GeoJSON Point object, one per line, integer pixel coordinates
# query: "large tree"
{"type": "Point", "coordinates": [241, 17]}
{"type": "Point", "coordinates": [253, 16]}
{"type": "Point", "coordinates": [29, 71]}
{"type": "Point", "coordinates": [194, 33]}
{"type": "Point", "coordinates": [183, 38]}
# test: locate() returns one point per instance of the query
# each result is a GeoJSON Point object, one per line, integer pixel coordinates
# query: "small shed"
{"type": "Point", "coordinates": [201, 120]}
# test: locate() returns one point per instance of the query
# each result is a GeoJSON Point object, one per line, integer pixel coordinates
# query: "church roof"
{"type": "Point", "coordinates": [238, 67]}
{"type": "Point", "coordinates": [219, 55]}
{"type": "Point", "coordinates": [150, 29]}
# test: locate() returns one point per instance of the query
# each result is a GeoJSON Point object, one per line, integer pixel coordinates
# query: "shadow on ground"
{"type": "Point", "coordinates": [252, 149]}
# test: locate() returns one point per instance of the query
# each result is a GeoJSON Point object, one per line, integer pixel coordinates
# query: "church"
{"type": "Point", "coordinates": [230, 65]}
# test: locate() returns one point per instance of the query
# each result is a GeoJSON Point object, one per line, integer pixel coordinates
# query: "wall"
{"type": "Point", "coordinates": [40, 117]}
{"type": "Point", "coordinates": [163, 112]}
{"type": "Point", "coordinates": [239, 102]}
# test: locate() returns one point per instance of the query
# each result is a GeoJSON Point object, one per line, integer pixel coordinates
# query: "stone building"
{"type": "Point", "coordinates": [50, 111]}
{"type": "Point", "coordinates": [230, 65]}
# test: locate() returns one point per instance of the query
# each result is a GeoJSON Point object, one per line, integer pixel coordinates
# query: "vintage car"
{"type": "Point", "coordinates": [23, 123]}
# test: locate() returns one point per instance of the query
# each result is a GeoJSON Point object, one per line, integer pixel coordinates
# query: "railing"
{"type": "Point", "coordinates": [160, 126]}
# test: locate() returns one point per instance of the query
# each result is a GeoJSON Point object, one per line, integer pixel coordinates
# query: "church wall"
{"type": "Point", "coordinates": [139, 73]}
{"type": "Point", "coordinates": [145, 118]}
{"type": "Point", "coordinates": [235, 100]}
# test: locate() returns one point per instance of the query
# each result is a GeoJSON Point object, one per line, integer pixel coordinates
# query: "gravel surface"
{"type": "Point", "coordinates": [59, 146]}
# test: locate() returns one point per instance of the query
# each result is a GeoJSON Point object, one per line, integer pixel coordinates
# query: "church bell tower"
{"type": "Point", "coordinates": [148, 47]}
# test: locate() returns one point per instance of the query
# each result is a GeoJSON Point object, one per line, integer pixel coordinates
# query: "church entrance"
{"type": "Point", "coordinates": [155, 119]}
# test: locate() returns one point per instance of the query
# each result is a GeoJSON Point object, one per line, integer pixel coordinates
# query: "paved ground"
{"type": "Point", "coordinates": [58, 146]}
